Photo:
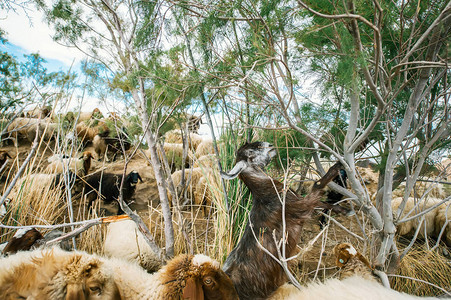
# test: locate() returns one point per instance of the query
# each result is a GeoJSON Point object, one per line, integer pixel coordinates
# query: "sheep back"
{"type": "Point", "coordinates": [442, 219]}
{"type": "Point", "coordinates": [124, 240]}
{"type": "Point", "coordinates": [409, 227]}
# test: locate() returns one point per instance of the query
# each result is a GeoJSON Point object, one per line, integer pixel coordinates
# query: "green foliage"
{"type": "Point", "coordinates": [27, 80]}
{"type": "Point", "coordinates": [67, 21]}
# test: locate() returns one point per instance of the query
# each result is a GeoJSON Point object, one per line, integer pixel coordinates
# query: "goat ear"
{"type": "Point", "coordinates": [193, 290]}
{"type": "Point", "coordinates": [8, 155]}
{"type": "Point", "coordinates": [237, 169]}
{"type": "Point", "coordinates": [140, 179]}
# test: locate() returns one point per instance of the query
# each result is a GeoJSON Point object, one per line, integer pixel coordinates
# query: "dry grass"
{"type": "Point", "coordinates": [421, 265]}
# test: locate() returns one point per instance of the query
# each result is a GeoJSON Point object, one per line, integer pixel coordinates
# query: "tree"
{"type": "Point", "coordinates": [383, 65]}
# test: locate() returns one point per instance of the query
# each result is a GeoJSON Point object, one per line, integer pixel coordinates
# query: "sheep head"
{"type": "Point", "coordinates": [23, 240]}
{"type": "Point", "coordinates": [345, 251]}
{"type": "Point", "coordinates": [196, 277]}
{"type": "Point", "coordinates": [87, 155]}
{"type": "Point", "coordinates": [133, 178]}
{"type": "Point", "coordinates": [256, 155]}
{"type": "Point", "coordinates": [78, 277]}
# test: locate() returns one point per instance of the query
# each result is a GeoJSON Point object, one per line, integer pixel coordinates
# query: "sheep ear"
{"type": "Point", "coordinates": [342, 259]}
{"type": "Point", "coordinates": [193, 290]}
{"type": "Point", "coordinates": [237, 169]}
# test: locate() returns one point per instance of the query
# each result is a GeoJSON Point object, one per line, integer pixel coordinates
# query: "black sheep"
{"type": "Point", "coordinates": [106, 186]}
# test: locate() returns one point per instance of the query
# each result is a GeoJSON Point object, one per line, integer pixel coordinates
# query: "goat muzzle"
{"type": "Point", "coordinates": [237, 169]}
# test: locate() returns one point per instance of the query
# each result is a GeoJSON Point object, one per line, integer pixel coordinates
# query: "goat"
{"type": "Point", "coordinates": [30, 238]}
{"type": "Point", "coordinates": [254, 273]}
{"type": "Point", "coordinates": [352, 262]}
{"type": "Point", "coordinates": [106, 186]}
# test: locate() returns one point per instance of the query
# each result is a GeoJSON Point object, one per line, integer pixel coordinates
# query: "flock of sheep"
{"type": "Point", "coordinates": [130, 270]}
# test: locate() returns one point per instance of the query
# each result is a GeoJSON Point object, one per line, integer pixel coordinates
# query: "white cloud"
{"type": "Point", "coordinates": [29, 31]}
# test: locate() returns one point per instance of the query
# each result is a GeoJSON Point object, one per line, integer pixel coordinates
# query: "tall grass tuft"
{"type": "Point", "coordinates": [425, 265]}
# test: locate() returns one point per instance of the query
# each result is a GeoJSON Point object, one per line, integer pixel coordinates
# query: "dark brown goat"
{"type": "Point", "coordinates": [254, 273]}
{"type": "Point", "coordinates": [22, 241]}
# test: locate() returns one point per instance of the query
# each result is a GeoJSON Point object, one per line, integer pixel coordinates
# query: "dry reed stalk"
{"type": "Point", "coordinates": [426, 265]}
{"type": "Point", "coordinates": [34, 202]}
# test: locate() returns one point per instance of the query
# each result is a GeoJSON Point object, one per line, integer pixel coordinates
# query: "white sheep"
{"type": "Point", "coordinates": [370, 179]}
{"type": "Point", "coordinates": [354, 287]}
{"type": "Point", "coordinates": [124, 240]}
{"type": "Point", "coordinates": [174, 155]}
{"type": "Point", "coordinates": [410, 226]}
{"type": "Point", "coordinates": [19, 128]}
{"type": "Point", "coordinates": [197, 183]}
{"type": "Point", "coordinates": [47, 131]}
{"type": "Point", "coordinates": [80, 166]}
{"type": "Point", "coordinates": [87, 116]}
{"type": "Point", "coordinates": [205, 148]}
{"type": "Point", "coordinates": [434, 190]}
{"type": "Point", "coordinates": [209, 162]}
{"type": "Point", "coordinates": [175, 137]}
{"type": "Point", "coordinates": [443, 220]}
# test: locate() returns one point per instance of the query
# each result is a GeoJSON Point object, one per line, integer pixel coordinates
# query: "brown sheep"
{"type": "Point", "coordinates": [87, 133]}
{"type": "Point", "coordinates": [184, 277]}
{"type": "Point", "coordinates": [23, 240]}
{"type": "Point", "coordinates": [55, 275]}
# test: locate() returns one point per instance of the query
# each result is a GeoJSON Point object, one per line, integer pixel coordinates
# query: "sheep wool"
{"type": "Point", "coordinates": [443, 219]}
{"type": "Point", "coordinates": [409, 227]}
{"type": "Point", "coordinates": [174, 136]}
{"type": "Point", "coordinates": [352, 288]}
{"type": "Point", "coordinates": [124, 240]}
{"type": "Point", "coordinates": [205, 148]}
{"type": "Point", "coordinates": [55, 274]}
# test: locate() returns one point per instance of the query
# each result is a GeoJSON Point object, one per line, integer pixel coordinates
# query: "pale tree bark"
{"type": "Point", "coordinates": [129, 61]}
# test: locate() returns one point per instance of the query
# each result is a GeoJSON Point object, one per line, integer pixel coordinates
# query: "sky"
{"type": "Point", "coordinates": [27, 33]}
